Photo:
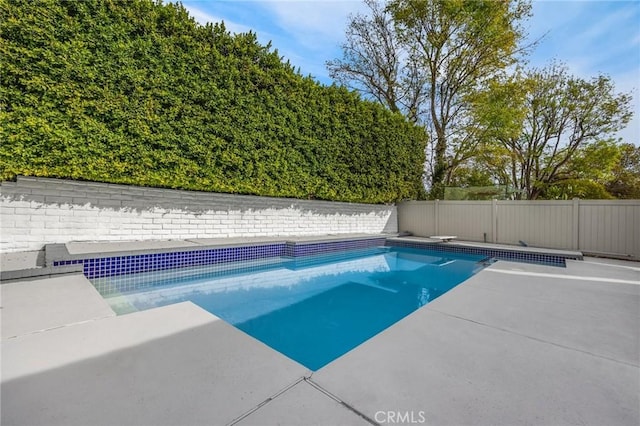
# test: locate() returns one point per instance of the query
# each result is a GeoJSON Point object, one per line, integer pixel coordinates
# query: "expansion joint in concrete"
{"type": "Point", "coordinates": [17, 336]}
{"type": "Point", "coordinates": [505, 330]}
{"type": "Point", "coordinates": [263, 403]}
{"type": "Point", "coordinates": [341, 402]}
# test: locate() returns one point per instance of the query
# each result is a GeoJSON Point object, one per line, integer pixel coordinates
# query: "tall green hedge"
{"type": "Point", "coordinates": [137, 92]}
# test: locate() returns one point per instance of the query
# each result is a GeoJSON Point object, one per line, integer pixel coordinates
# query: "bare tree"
{"type": "Point", "coordinates": [376, 63]}
{"type": "Point", "coordinates": [424, 58]}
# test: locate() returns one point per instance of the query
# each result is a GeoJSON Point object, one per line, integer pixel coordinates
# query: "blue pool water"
{"type": "Point", "coordinates": [312, 309]}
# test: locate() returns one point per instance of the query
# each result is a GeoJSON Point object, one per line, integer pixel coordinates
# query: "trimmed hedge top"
{"type": "Point", "coordinates": [137, 92]}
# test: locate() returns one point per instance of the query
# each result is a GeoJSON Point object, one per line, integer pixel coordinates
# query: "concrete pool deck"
{"type": "Point", "coordinates": [515, 344]}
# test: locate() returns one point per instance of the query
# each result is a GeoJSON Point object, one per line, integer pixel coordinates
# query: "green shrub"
{"type": "Point", "coordinates": [137, 92]}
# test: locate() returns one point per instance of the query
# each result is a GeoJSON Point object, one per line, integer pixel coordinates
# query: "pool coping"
{"type": "Point", "coordinates": [96, 265]}
{"type": "Point", "coordinates": [60, 260]}
{"type": "Point", "coordinates": [536, 255]}
{"type": "Point", "coordinates": [7, 276]}
{"type": "Point", "coordinates": [58, 252]}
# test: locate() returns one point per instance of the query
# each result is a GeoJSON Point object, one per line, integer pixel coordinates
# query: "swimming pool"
{"type": "Point", "coordinates": [312, 309]}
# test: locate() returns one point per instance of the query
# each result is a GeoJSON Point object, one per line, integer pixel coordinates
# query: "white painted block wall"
{"type": "Point", "coordinates": [38, 211]}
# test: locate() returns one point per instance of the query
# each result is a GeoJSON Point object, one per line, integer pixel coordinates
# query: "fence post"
{"type": "Point", "coordinates": [576, 224]}
{"type": "Point", "coordinates": [494, 221]}
{"type": "Point", "coordinates": [437, 215]}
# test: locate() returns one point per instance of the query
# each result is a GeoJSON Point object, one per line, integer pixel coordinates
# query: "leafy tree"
{"type": "Point", "coordinates": [552, 127]}
{"type": "Point", "coordinates": [136, 92]}
{"type": "Point", "coordinates": [470, 182]}
{"type": "Point", "coordinates": [425, 58]}
{"type": "Point", "coordinates": [586, 173]}
{"type": "Point", "coordinates": [625, 182]}
{"type": "Point", "coordinates": [471, 175]}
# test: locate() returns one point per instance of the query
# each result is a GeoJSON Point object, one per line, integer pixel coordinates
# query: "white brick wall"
{"type": "Point", "coordinates": [37, 211]}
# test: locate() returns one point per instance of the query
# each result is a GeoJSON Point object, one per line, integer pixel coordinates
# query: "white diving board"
{"type": "Point", "coordinates": [444, 238]}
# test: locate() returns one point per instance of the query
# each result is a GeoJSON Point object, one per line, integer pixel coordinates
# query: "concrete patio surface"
{"type": "Point", "coordinates": [303, 404]}
{"type": "Point", "coordinates": [505, 349]}
{"type": "Point", "coordinates": [515, 344]}
{"type": "Point", "coordinates": [46, 303]}
{"type": "Point", "coordinates": [21, 260]}
{"type": "Point", "coordinates": [176, 365]}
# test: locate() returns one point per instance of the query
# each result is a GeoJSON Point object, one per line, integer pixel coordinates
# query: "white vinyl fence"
{"type": "Point", "coordinates": [606, 227]}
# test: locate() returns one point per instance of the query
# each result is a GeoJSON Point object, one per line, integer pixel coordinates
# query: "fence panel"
{"type": "Point", "coordinates": [610, 227]}
{"type": "Point", "coordinates": [468, 220]}
{"type": "Point", "coordinates": [417, 217]}
{"type": "Point", "coordinates": [537, 223]}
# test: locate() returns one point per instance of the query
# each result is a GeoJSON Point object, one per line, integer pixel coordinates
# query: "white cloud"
{"type": "Point", "coordinates": [307, 33]}
{"type": "Point", "coordinates": [203, 18]}
{"type": "Point", "coordinates": [602, 27]}
{"type": "Point", "coordinates": [313, 23]}
{"type": "Point", "coordinates": [586, 32]}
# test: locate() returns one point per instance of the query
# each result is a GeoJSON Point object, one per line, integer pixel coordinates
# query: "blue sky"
{"type": "Point", "coordinates": [590, 37]}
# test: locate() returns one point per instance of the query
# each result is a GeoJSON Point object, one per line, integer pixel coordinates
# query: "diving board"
{"type": "Point", "coordinates": [444, 238]}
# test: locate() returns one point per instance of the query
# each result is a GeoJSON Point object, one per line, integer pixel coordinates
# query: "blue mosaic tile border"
{"type": "Point", "coordinates": [133, 264]}
{"type": "Point", "coordinates": [334, 256]}
{"type": "Point", "coordinates": [120, 265]}
{"type": "Point", "coordinates": [302, 249]}
{"type": "Point", "coordinates": [515, 256]}
{"type": "Point", "coordinates": [118, 284]}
